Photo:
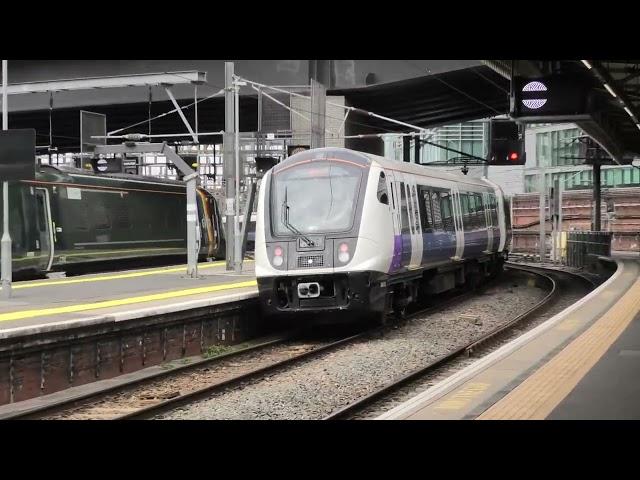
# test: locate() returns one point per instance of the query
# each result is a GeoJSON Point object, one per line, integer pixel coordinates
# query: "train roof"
{"type": "Point", "coordinates": [368, 158]}
{"type": "Point", "coordinates": [417, 169]}
{"type": "Point", "coordinates": [71, 171]}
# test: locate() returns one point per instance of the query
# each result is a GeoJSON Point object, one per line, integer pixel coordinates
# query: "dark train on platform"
{"type": "Point", "coordinates": [343, 231]}
{"type": "Point", "coordinates": [68, 218]}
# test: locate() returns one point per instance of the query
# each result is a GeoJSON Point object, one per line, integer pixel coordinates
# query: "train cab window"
{"type": "Point", "coordinates": [383, 195]}
{"type": "Point", "coordinates": [404, 211]}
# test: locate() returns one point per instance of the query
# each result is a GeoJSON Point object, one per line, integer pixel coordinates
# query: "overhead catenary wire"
{"type": "Point", "coordinates": [346, 107]}
{"type": "Point", "coordinates": [219, 92]}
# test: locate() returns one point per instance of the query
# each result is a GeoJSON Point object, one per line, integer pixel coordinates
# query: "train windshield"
{"type": "Point", "coordinates": [315, 197]}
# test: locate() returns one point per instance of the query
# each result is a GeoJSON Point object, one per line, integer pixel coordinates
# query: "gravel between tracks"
{"type": "Point", "coordinates": [320, 386]}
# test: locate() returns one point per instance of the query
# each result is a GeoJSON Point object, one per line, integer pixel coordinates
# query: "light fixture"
{"type": "Point", "coordinates": [638, 125]}
{"type": "Point", "coordinates": [586, 64]}
{"type": "Point", "coordinates": [626, 109]}
{"type": "Point", "coordinates": [613, 94]}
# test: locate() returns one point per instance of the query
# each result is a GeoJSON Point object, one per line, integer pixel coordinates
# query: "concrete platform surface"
{"type": "Point", "coordinates": [43, 305]}
{"type": "Point", "coordinates": [528, 377]}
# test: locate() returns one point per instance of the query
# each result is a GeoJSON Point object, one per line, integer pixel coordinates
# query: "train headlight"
{"type": "Point", "coordinates": [343, 253]}
{"type": "Point", "coordinates": [277, 259]}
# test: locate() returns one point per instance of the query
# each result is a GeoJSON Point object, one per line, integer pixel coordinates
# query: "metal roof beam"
{"type": "Point", "coordinates": [604, 76]}
{"type": "Point", "coordinates": [120, 81]}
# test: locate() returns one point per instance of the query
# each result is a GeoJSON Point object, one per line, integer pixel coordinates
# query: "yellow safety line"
{"type": "Point", "coordinates": [22, 314]}
{"type": "Point", "coordinates": [143, 273]}
{"type": "Point", "coordinates": [542, 392]}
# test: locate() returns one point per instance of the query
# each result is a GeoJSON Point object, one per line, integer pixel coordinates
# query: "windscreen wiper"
{"type": "Point", "coordinates": [286, 223]}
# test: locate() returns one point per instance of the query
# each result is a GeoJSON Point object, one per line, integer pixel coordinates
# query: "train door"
{"type": "Point", "coordinates": [416, 228]}
{"type": "Point", "coordinates": [486, 200]}
{"type": "Point", "coordinates": [457, 217]}
{"type": "Point", "coordinates": [45, 227]}
{"type": "Point", "coordinates": [394, 187]}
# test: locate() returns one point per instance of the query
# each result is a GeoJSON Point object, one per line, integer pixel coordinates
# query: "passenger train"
{"type": "Point", "coordinates": [343, 231]}
{"type": "Point", "coordinates": [68, 218]}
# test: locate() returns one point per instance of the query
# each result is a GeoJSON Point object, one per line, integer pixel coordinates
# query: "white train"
{"type": "Point", "coordinates": [339, 230]}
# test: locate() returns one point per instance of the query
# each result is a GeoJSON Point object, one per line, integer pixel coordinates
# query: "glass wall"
{"type": "Point", "coordinates": [559, 147]}
{"type": "Point", "coordinates": [582, 179]}
{"type": "Point", "coordinates": [468, 137]}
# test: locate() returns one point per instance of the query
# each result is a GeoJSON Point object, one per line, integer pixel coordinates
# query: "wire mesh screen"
{"type": "Point", "coordinates": [275, 117]}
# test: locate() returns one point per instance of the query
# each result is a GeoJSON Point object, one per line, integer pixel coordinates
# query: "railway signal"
{"type": "Point", "coordinates": [506, 143]}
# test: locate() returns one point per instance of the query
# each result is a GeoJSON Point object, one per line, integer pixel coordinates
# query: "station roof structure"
{"type": "Point", "coordinates": [617, 125]}
{"type": "Point", "coordinates": [427, 101]}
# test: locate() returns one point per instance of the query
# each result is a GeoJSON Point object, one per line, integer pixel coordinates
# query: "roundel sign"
{"type": "Point", "coordinates": [102, 165]}
{"type": "Point", "coordinates": [534, 95]}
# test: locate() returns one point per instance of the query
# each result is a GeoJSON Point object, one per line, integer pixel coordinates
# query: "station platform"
{"type": "Point", "coordinates": [43, 306]}
{"type": "Point", "coordinates": [583, 363]}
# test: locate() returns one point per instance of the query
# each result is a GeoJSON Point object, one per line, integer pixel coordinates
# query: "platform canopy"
{"type": "Point", "coordinates": [433, 100]}
{"type": "Point", "coordinates": [616, 123]}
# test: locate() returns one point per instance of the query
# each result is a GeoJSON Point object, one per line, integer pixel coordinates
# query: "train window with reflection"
{"type": "Point", "coordinates": [416, 211]}
{"type": "Point", "coordinates": [494, 210]}
{"type": "Point", "coordinates": [424, 201]}
{"type": "Point", "coordinates": [437, 215]}
{"type": "Point", "coordinates": [315, 197]}
{"type": "Point", "coordinates": [445, 207]}
{"type": "Point", "coordinates": [404, 212]}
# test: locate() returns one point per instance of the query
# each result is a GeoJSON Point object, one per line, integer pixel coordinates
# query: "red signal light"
{"type": "Point", "coordinates": [513, 156]}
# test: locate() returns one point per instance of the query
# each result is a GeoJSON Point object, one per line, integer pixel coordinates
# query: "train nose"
{"type": "Point", "coordinates": [308, 290]}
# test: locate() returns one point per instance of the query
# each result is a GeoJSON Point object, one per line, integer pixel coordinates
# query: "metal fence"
{"type": "Point", "coordinates": [582, 247]}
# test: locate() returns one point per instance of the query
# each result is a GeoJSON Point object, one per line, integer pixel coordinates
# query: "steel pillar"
{"type": "Point", "coordinates": [543, 226]}
{"type": "Point", "coordinates": [5, 243]}
{"type": "Point", "coordinates": [406, 148]}
{"type": "Point", "coordinates": [228, 156]}
{"type": "Point", "coordinates": [597, 199]}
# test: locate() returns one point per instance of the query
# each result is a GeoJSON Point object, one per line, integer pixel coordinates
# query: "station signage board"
{"type": "Point", "coordinates": [551, 98]}
{"type": "Point", "coordinates": [18, 154]}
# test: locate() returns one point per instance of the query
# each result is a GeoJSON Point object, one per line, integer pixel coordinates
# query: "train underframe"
{"type": "Point", "coordinates": [371, 296]}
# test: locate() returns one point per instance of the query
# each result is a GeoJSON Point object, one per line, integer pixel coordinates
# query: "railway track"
{"type": "Point", "coordinates": [446, 363]}
{"type": "Point", "coordinates": [167, 390]}
{"type": "Point", "coordinates": [170, 389]}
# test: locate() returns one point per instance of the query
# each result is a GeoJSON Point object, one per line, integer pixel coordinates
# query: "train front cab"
{"type": "Point", "coordinates": [307, 230]}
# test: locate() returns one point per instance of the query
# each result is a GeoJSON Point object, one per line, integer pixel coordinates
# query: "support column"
{"type": "Point", "coordinates": [543, 227]}
{"type": "Point", "coordinates": [5, 243]}
{"type": "Point", "coordinates": [406, 149]}
{"type": "Point", "coordinates": [416, 150]}
{"type": "Point", "coordinates": [596, 225]}
{"type": "Point", "coordinates": [228, 157]}
{"type": "Point", "coordinates": [193, 230]}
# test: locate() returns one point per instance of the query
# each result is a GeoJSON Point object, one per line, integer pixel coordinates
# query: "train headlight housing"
{"type": "Point", "coordinates": [278, 258]}
{"type": "Point", "coordinates": [343, 253]}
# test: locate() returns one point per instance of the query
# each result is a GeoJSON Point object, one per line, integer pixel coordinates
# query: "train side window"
{"type": "Point", "coordinates": [101, 219]}
{"type": "Point", "coordinates": [416, 212]}
{"type": "Point", "coordinates": [445, 207]}
{"type": "Point", "coordinates": [437, 211]}
{"type": "Point", "coordinates": [482, 219]}
{"type": "Point", "coordinates": [41, 212]}
{"type": "Point", "coordinates": [404, 212]}
{"type": "Point", "coordinates": [494, 210]}
{"type": "Point", "coordinates": [424, 199]}
{"type": "Point", "coordinates": [393, 197]}
{"type": "Point", "coordinates": [383, 195]}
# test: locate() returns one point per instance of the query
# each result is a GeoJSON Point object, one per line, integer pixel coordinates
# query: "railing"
{"type": "Point", "coordinates": [582, 247]}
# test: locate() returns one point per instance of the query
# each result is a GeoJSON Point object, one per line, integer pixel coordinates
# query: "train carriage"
{"type": "Point", "coordinates": [339, 230]}
{"type": "Point", "coordinates": [69, 218]}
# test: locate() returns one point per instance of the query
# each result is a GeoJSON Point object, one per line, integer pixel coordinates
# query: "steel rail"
{"type": "Point", "coordinates": [468, 349]}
